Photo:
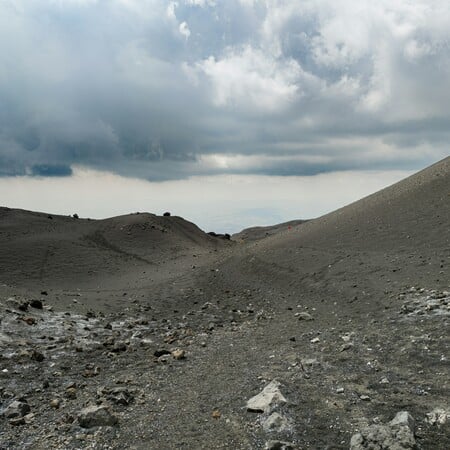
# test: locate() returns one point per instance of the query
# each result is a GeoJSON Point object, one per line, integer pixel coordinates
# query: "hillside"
{"type": "Point", "coordinates": [41, 251]}
{"type": "Point", "coordinates": [342, 321]}
{"type": "Point", "coordinates": [257, 233]}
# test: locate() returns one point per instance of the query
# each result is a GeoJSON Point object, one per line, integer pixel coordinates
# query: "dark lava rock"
{"type": "Point", "coordinates": [37, 356]}
{"type": "Point", "coordinates": [119, 395]}
{"type": "Point", "coordinates": [163, 352]}
{"type": "Point", "coordinates": [37, 304]}
{"type": "Point", "coordinates": [119, 347]}
{"type": "Point", "coordinates": [23, 306]}
{"type": "Point", "coordinates": [17, 421]}
{"type": "Point", "coordinates": [279, 445]}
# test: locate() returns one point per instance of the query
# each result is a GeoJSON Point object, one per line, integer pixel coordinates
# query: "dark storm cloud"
{"type": "Point", "coordinates": [51, 171]}
{"type": "Point", "coordinates": [165, 90]}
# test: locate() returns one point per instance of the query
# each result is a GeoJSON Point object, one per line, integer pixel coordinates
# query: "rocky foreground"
{"type": "Point", "coordinates": [128, 380]}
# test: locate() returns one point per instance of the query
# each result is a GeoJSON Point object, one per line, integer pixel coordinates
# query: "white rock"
{"type": "Point", "coordinates": [403, 418]}
{"type": "Point", "coordinates": [268, 399]}
{"type": "Point", "coordinates": [398, 434]}
{"type": "Point", "coordinates": [438, 416]}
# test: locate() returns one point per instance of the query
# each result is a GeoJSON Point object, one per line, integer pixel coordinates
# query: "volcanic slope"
{"type": "Point", "coordinates": [49, 252]}
{"type": "Point", "coordinates": [374, 277]}
{"type": "Point", "coordinates": [401, 233]}
{"type": "Point", "coordinates": [257, 233]}
{"type": "Point", "coordinates": [348, 312]}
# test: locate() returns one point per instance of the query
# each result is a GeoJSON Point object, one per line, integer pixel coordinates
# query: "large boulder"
{"type": "Point", "coordinates": [96, 416]}
{"type": "Point", "coordinates": [398, 434]}
{"type": "Point", "coordinates": [17, 408]}
{"type": "Point", "coordinates": [268, 399]}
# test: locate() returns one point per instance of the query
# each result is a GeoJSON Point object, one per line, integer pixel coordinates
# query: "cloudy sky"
{"type": "Point", "coordinates": [169, 101]}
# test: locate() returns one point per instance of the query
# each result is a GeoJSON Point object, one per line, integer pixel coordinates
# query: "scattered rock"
{"type": "Point", "coordinates": [29, 320]}
{"type": "Point", "coordinates": [438, 416]}
{"type": "Point", "coordinates": [179, 354]}
{"type": "Point", "coordinates": [17, 408]}
{"type": "Point", "coordinates": [91, 372]}
{"type": "Point", "coordinates": [71, 392]}
{"type": "Point", "coordinates": [279, 445]}
{"type": "Point", "coordinates": [23, 306]}
{"type": "Point", "coordinates": [119, 347]}
{"type": "Point", "coordinates": [403, 418]}
{"type": "Point", "coordinates": [346, 346]}
{"type": "Point", "coordinates": [55, 403]}
{"type": "Point", "coordinates": [37, 304]}
{"type": "Point", "coordinates": [275, 422]}
{"type": "Point", "coordinates": [310, 362]}
{"type": "Point", "coordinates": [161, 352]}
{"type": "Point", "coordinates": [268, 399]}
{"type": "Point", "coordinates": [119, 395]}
{"type": "Point", "coordinates": [37, 356]}
{"type": "Point", "coordinates": [96, 416]}
{"type": "Point", "coordinates": [304, 316]}
{"type": "Point", "coordinates": [17, 421]}
{"type": "Point", "coordinates": [397, 435]}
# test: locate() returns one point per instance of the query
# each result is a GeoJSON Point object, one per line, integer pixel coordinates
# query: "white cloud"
{"type": "Point", "coordinates": [241, 83]}
{"type": "Point", "coordinates": [184, 30]}
{"type": "Point", "coordinates": [247, 78]}
{"type": "Point", "coordinates": [201, 3]}
{"type": "Point", "coordinates": [171, 7]}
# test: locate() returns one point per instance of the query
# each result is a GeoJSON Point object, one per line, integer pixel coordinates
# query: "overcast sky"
{"type": "Point", "coordinates": [165, 91]}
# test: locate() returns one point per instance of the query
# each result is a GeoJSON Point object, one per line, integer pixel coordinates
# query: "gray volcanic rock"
{"type": "Point", "coordinates": [397, 435]}
{"type": "Point", "coordinates": [96, 416]}
{"type": "Point", "coordinates": [279, 445]}
{"type": "Point", "coordinates": [268, 399]}
{"type": "Point", "coordinates": [17, 408]}
{"type": "Point", "coordinates": [276, 422]}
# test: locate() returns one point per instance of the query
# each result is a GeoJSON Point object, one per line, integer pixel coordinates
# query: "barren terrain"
{"type": "Point", "coordinates": [143, 332]}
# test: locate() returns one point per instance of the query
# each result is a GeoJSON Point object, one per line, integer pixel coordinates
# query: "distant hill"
{"type": "Point", "coordinates": [257, 233]}
{"type": "Point", "coordinates": [53, 248]}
